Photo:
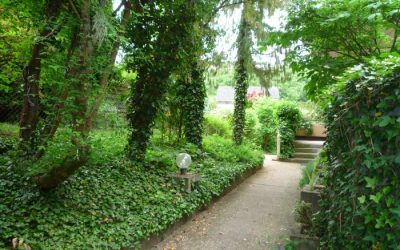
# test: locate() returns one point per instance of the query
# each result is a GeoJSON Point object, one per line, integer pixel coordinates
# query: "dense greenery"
{"type": "Point", "coordinates": [326, 37]}
{"type": "Point", "coordinates": [360, 205]}
{"type": "Point", "coordinates": [275, 117]}
{"type": "Point", "coordinates": [110, 203]}
{"type": "Point", "coordinates": [75, 173]}
{"type": "Point", "coordinates": [214, 125]}
{"type": "Point", "coordinates": [194, 95]}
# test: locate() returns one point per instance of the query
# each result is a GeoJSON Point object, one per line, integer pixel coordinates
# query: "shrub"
{"type": "Point", "coordinates": [289, 121]}
{"type": "Point", "coordinates": [360, 205]}
{"type": "Point", "coordinates": [307, 126]}
{"type": "Point", "coordinates": [267, 124]}
{"type": "Point", "coordinates": [273, 117]}
{"type": "Point", "coordinates": [250, 126]}
{"type": "Point", "coordinates": [7, 143]}
{"type": "Point", "coordinates": [111, 115]}
{"type": "Point", "coordinates": [225, 150]}
{"type": "Point", "coordinates": [217, 126]}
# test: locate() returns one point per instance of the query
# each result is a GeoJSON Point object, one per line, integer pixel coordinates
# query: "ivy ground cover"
{"type": "Point", "coordinates": [111, 204]}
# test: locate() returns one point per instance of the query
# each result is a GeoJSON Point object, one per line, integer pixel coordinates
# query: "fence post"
{"type": "Point", "coordinates": [278, 145]}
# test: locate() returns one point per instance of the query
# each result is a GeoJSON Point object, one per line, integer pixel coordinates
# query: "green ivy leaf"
{"type": "Point", "coordinates": [376, 198]}
{"type": "Point", "coordinates": [396, 211]}
{"type": "Point", "coordinates": [361, 199]}
{"type": "Point", "coordinates": [371, 182]}
{"type": "Point", "coordinates": [383, 121]}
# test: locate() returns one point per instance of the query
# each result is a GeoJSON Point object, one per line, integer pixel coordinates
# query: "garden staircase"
{"type": "Point", "coordinates": [306, 150]}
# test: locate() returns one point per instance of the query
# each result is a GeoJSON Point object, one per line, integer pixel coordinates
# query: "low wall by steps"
{"type": "Point", "coordinates": [319, 131]}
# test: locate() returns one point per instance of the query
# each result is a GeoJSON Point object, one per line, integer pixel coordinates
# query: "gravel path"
{"type": "Point", "coordinates": [255, 215]}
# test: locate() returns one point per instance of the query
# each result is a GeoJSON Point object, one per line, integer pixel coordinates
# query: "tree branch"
{"type": "Point", "coordinates": [74, 9]}
{"type": "Point", "coordinates": [393, 47]}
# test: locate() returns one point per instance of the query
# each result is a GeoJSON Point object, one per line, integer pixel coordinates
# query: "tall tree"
{"type": "Point", "coordinates": [251, 25]}
{"type": "Point", "coordinates": [160, 37]}
{"type": "Point", "coordinates": [244, 45]}
{"type": "Point", "coordinates": [83, 114]}
{"type": "Point", "coordinates": [31, 75]}
{"type": "Point", "coordinates": [194, 94]}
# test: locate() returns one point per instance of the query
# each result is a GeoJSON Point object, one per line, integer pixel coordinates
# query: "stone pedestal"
{"type": "Point", "coordinates": [311, 197]}
{"type": "Point", "coordinates": [188, 178]}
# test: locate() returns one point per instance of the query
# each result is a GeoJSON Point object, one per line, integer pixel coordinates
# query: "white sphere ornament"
{"type": "Point", "coordinates": [183, 161]}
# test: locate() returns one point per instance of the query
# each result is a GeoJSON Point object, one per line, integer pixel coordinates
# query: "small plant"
{"type": "Point", "coordinates": [310, 175]}
{"type": "Point", "coordinates": [303, 215]}
{"type": "Point", "coordinates": [312, 171]}
{"type": "Point", "coordinates": [289, 245]}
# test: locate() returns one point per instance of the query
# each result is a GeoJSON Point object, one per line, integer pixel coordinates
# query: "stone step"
{"type": "Point", "coordinates": [299, 160]}
{"type": "Point", "coordinates": [308, 150]}
{"type": "Point", "coordinates": [305, 155]}
{"type": "Point", "coordinates": [308, 144]}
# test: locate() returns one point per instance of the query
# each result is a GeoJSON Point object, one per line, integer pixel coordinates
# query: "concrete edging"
{"type": "Point", "coordinates": [157, 238]}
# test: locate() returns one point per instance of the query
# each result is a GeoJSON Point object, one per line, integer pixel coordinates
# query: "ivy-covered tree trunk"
{"type": "Point", "coordinates": [148, 90]}
{"type": "Point", "coordinates": [194, 95]}
{"type": "Point", "coordinates": [173, 24]}
{"type": "Point", "coordinates": [78, 156]}
{"type": "Point", "coordinates": [31, 75]}
{"type": "Point", "coordinates": [241, 78]}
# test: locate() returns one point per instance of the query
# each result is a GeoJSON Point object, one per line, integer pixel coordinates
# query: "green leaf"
{"type": "Point", "coordinates": [361, 199]}
{"type": "Point", "coordinates": [371, 182]}
{"type": "Point", "coordinates": [396, 211]}
{"type": "Point", "coordinates": [383, 121]}
{"type": "Point", "coordinates": [376, 198]}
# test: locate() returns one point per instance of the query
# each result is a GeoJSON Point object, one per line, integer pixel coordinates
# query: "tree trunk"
{"type": "Point", "coordinates": [79, 155]}
{"type": "Point", "coordinates": [72, 162]}
{"type": "Point", "coordinates": [50, 130]}
{"type": "Point", "coordinates": [193, 106]}
{"type": "Point", "coordinates": [149, 88]}
{"type": "Point", "coordinates": [31, 76]}
{"type": "Point", "coordinates": [241, 77]}
{"type": "Point", "coordinates": [82, 118]}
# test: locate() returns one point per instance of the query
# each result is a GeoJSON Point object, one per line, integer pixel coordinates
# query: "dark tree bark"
{"type": "Point", "coordinates": [31, 76]}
